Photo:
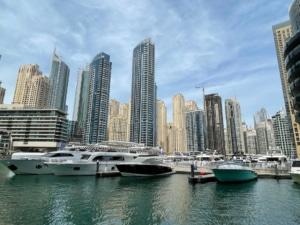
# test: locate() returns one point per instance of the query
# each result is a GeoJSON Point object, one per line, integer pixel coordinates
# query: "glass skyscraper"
{"type": "Point", "coordinates": [81, 101]}
{"type": "Point", "coordinates": [98, 100]}
{"type": "Point", "coordinates": [195, 130]}
{"type": "Point", "coordinates": [59, 78]}
{"type": "Point", "coordinates": [143, 95]}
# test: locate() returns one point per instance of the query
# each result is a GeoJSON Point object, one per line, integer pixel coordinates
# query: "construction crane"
{"type": "Point", "coordinates": [203, 86]}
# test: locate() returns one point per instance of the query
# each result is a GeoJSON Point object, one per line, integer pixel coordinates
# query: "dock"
{"type": "Point", "coordinates": [202, 178]}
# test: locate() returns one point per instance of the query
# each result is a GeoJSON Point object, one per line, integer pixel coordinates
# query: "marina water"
{"type": "Point", "coordinates": [169, 200]}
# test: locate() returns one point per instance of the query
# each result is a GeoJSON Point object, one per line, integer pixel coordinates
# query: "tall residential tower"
{"type": "Point", "coordinates": [214, 120]}
{"type": "Point", "coordinates": [59, 78]}
{"type": "Point", "coordinates": [282, 32]}
{"type": "Point", "coordinates": [179, 122]}
{"type": "Point", "coordinates": [143, 94]}
{"type": "Point", "coordinates": [98, 100]}
{"type": "Point", "coordinates": [32, 88]}
{"type": "Point", "coordinates": [81, 102]}
{"type": "Point", "coordinates": [234, 127]}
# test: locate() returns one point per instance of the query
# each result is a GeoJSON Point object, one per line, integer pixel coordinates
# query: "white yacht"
{"type": "Point", "coordinates": [91, 163]}
{"type": "Point", "coordinates": [295, 171]}
{"type": "Point", "coordinates": [145, 166]}
{"type": "Point", "coordinates": [273, 157]}
{"type": "Point", "coordinates": [34, 163]}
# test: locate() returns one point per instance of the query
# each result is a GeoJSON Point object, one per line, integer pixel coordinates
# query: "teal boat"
{"type": "Point", "coordinates": [234, 173]}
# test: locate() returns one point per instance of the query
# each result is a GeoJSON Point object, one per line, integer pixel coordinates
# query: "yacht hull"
{"type": "Point", "coordinates": [26, 166]}
{"type": "Point", "coordinates": [144, 170]}
{"type": "Point", "coordinates": [82, 169]}
{"type": "Point", "coordinates": [296, 177]}
{"type": "Point", "coordinates": [234, 175]}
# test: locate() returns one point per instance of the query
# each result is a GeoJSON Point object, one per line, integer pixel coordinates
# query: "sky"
{"type": "Point", "coordinates": [226, 46]}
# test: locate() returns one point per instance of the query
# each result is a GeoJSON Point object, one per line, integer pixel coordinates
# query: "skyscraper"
{"type": "Point", "coordinates": [282, 133]}
{"type": "Point", "coordinates": [264, 132]}
{"type": "Point", "coordinates": [143, 94]}
{"type": "Point", "coordinates": [291, 60]}
{"type": "Point", "coordinates": [81, 102]}
{"type": "Point", "coordinates": [38, 92]}
{"type": "Point", "coordinates": [118, 121]}
{"type": "Point", "coordinates": [282, 32]}
{"type": "Point", "coordinates": [114, 108]}
{"type": "Point", "coordinates": [32, 88]}
{"type": "Point", "coordinates": [251, 141]}
{"type": "Point", "coordinates": [59, 78]}
{"type": "Point", "coordinates": [161, 125]}
{"type": "Point", "coordinates": [214, 120]}
{"type": "Point", "coordinates": [195, 130]}
{"type": "Point", "coordinates": [25, 75]}
{"type": "Point", "coordinates": [2, 93]}
{"type": "Point", "coordinates": [99, 88]}
{"type": "Point", "coordinates": [179, 124]}
{"type": "Point", "coordinates": [234, 127]}
{"type": "Point", "coordinates": [171, 139]}
{"type": "Point", "coordinates": [191, 105]}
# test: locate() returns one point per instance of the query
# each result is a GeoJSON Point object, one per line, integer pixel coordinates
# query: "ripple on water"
{"type": "Point", "coordinates": [169, 200]}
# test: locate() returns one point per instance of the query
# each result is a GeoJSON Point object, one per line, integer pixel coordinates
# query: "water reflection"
{"type": "Point", "coordinates": [169, 200]}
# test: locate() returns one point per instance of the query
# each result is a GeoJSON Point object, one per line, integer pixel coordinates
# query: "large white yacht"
{"type": "Point", "coordinates": [34, 163]}
{"type": "Point", "coordinates": [91, 163]}
{"type": "Point", "coordinates": [295, 171]}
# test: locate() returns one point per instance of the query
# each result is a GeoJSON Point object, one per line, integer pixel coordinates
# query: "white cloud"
{"type": "Point", "coordinates": [196, 41]}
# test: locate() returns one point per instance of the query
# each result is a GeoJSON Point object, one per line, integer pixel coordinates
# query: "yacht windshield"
{"type": "Point", "coordinates": [85, 156]}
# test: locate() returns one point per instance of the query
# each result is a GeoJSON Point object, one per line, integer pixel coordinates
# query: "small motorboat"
{"type": "Point", "coordinates": [145, 166]}
{"type": "Point", "coordinates": [231, 172]}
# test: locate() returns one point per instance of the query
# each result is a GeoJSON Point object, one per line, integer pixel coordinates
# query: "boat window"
{"type": "Point", "coordinates": [108, 158]}
{"type": "Point", "coordinates": [117, 158]}
{"type": "Point", "coordinates": [296, 164]}
{"type": "Point", "coordinates": [85, 156]}
{"type": "Point", "coordinates": [82, 150]}
{"type": "Point", "coordinates": [98, 158]}
{"type": "Point", "coordinates": [273, 159]}
{"type": "Point", "coordinates": [62, 155]}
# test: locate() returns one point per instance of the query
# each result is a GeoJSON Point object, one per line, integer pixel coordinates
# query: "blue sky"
{"type": "Point", "coordinates": [227, 45]}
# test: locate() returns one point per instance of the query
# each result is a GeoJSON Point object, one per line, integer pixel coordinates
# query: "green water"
{"type": "Point", "coordinates": [170, 200]}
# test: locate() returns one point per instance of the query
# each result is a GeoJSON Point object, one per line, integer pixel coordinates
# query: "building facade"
{"type": "Point", "coordinates": [214, 120]}
{"type": "Point", "coordinates": [264, 132]}
{"type": "Point", "coordinates": [81, 103]}
{"type": "Point", "coordinates": [34, 129]}
{"type": "Point", "coordinates": [2, 93]}
{"type": "Point", "coordinates": [283, 139]}
{"type": "Point", "coordinates": [171, 139]}
{"type": "Point", "coordinates": [25, 75]}
{"type": "Point", "coordinates": [251, 141]}
{"type": "Point", "coordinates": [195, 130]}
{"type": "Point", "coordinates": [143, 95]}
{"type": "Point", "coordinates": [161, 125]}
{"type": "Point", "coordinates": [32, 88]}
{"type": "Point", "coordinates": [98, 100]}
{"type": "Point", "coordinates": [191, 105]}
{"type": "Point", "coordinates": [179, 122]}
{"type": "Point", "coordinates": [59, 79]}
{"type": "Point", "coordinates": [38, 92]}
{"type": "Point", "coordinates": [118, 121]}
{"type": "Point", "coordinates": [282, 32]}
{"type": "Point", "coordinates": [234, 127]}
